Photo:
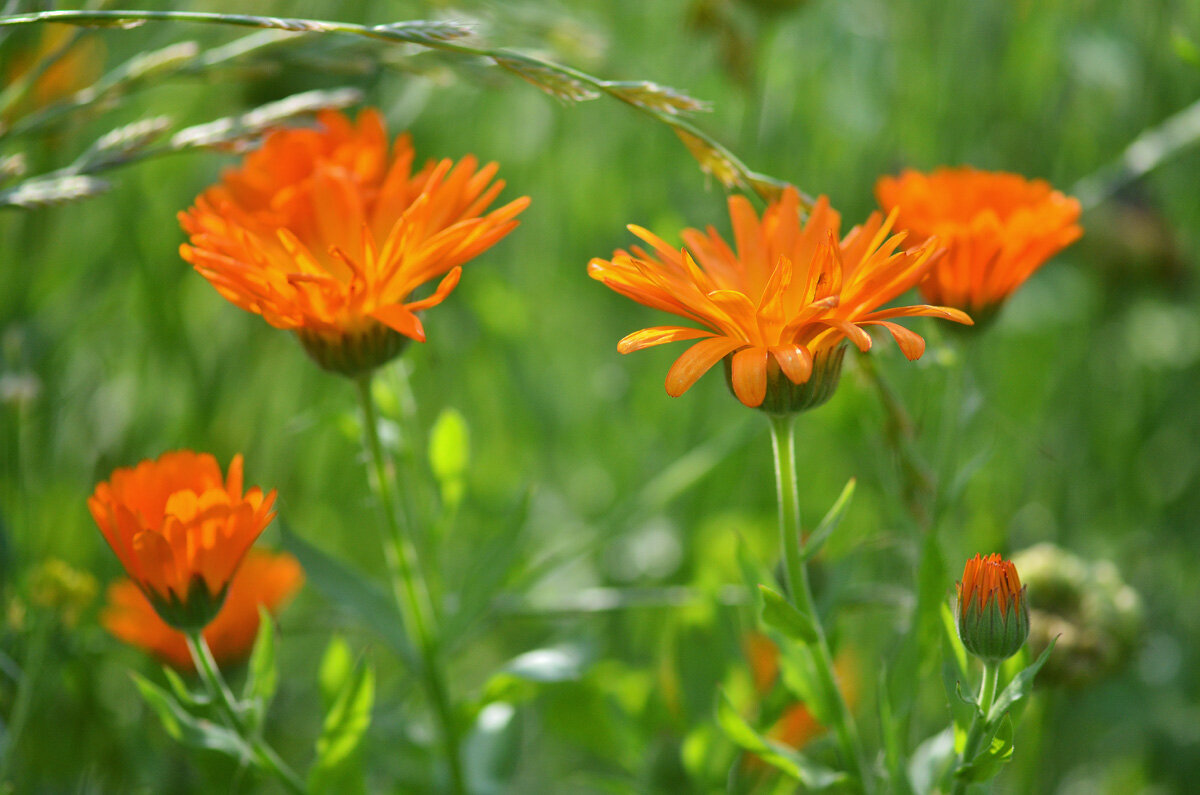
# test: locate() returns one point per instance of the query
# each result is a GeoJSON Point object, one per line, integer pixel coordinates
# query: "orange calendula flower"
{"type": "Point", "coordinates": [992, 612]}
{"type": "Point", "coordinates": [180, 529]}
{"type": "Point", "coordinates": [326, 233]}
{"type": "Point", "coordinates": [783, 303]}
{"type": "Point", "coordinates": [265, 578]}
{"type": "Point", "coordinates": [996, 228]}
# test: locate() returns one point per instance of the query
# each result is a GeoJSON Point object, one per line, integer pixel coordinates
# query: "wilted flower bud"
{"type": "Point", "coordinates": [992, 613]}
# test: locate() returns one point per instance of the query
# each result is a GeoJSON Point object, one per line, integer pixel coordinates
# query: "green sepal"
{"type": "Point", "coordinates": [192, 613]}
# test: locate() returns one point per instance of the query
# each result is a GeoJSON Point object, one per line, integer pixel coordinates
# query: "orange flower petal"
{"type": "Point", "coordinates": [696, 361]}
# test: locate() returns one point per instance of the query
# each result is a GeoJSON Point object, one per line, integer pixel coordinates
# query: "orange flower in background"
{"type": "Point", "coordinates": [324, 232]}
{"type": "Point", "coordinates": [782, 303]}
{"type": "Point", "coordinates": [264, 578]}
{"type": "Point", "coordinates": [996, 228]}
{"type": "Point", "coordinates": [796, 726]}
{"type": "Point", "coordinates": [180, 529]}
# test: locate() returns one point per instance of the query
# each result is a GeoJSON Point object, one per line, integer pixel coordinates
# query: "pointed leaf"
{"type": "Point", "coordinates": [263, 677]}
{"type": "Point", "coordinates": [780, 615]}
{"type": "Point", "coordinates": [348, 718]}
{"type": "Point", "coordinates": [988, 762]}
{"type": "Point", "coordinates": [188, 729]}
{"type": "Point", "coordinates": [193, 701]}
{"type": "Point", "coordinates": [832, 519]}
{"type": "Point", "coordinates": [1018, 689]}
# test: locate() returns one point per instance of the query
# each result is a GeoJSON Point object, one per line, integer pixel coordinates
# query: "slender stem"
{"type": "Point", "coordinates": [900, 432]}
{"type": "Point", "coordinates": [264, 754]}
{"type": "Point", "coordinates": [801, 594]}
{"type": "Point", "coordinates": [987, 694]}
{"type": "Point", "coordinates": [412, 594]}
{"type": "Point", "coordinates": [420, 34]}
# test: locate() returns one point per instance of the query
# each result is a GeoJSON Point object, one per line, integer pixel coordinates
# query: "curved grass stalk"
{"type": "Point", "coordinates": [658, 102]}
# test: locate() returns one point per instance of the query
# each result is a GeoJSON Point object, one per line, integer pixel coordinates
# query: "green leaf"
{"type": "Point", "coordinates": [988, 762]}
{"type": "Point", "coordinates": [350, 591]}
{"type": "Point", "coordinates": [832, 519]}
{"type": "Point", "coordinates": [263, 677]}
{"type": "Point", "coordinates": [188, 729]}
{"type": "Point", "coordinates": [1018, 689]}
{"type": "Point", "coordinates": [779, 614]}
{"type": "Point", "coordinates": [795, 764]}
{"type": "Point", "coordinates": [346, 721]}
{"type": "Point", "coordinates": [191, 700]}
{"type": "Point", "coordinates": [958, 652]}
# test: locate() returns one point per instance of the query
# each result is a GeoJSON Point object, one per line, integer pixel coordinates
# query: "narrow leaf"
{"type": "Point", "coordinates": [988, 762]}
{"type": "Point", "coordinates": [832, 519]}
{"type": "Point", "coordinates": [1019, 688]}
{"type": "Point", "coordinates": [780, 615]}
{"type": "Point", "coordinates": [263, 678]}
{"type": "Point", "coordinates": [185, 727]}
{"type": "Point", "coordinates": [348, 718]}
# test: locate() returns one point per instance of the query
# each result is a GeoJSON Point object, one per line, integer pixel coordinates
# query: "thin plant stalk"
{"type": "Point", "coordinates": [411, 590]}
{"type": "Point", "coordinates": [987, 695]}
{"type": "Point", "coordinates": [800, 593]}
{"type": "Point", "coordinates": [214, 683]}
{"type": "Point", "coordinates": [576, 84]}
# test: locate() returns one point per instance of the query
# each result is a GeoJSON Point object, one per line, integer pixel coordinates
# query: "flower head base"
{"type": "Point", "coordinates": [992, 612]}
{"type": "Point", "coordinates": [180, 529]}
{"type": "Point", "coordinates": [326, 233]}
{"type": "Point", "coordinates": [781, 306]}
{"type": "Point", "coordinates": [996, 228]}
{"type": "Point", "coordinates": [265, 578]}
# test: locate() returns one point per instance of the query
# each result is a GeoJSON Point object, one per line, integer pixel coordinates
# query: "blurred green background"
{"type": "Point", "coordinates": [1073, 420]}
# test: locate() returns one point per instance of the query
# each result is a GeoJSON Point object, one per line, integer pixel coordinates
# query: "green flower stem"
{"type": "Point", "coordinates": [412, 594]}
{"type": "Point", "coordinates": [987, 695]}
{"type": "Point", "coordinates": [801, 594]}
{"type": "Point", "coordinates": [264, 755]}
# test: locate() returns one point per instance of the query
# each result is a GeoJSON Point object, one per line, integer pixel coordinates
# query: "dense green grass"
{"type": "Point", "coordinates": [1081, 398]}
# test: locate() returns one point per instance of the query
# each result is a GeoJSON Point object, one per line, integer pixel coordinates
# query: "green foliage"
{"type": "Point", "coordinates": [795, 764]}
{"type": "Point", "coordinates": [349, 691]}
{"type": "Point", "coordinates": [779, 614]}
{"type": "Point", "coordinates": [185, 727]}
{"type": "Point", "coordinates": [262, 679]}
{"type": "Point", "coordinates": [1072, 418]}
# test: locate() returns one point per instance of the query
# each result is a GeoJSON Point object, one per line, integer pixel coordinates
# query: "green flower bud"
{"type": "Point", "coordinates": [992, 613]}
